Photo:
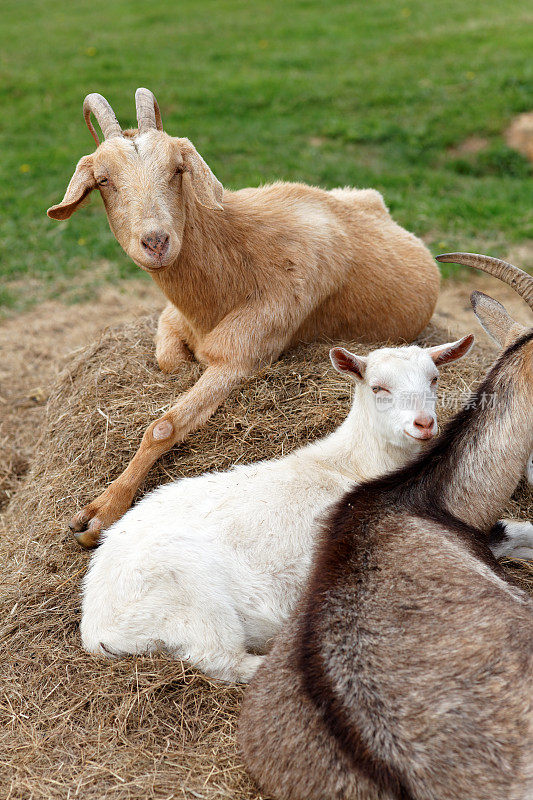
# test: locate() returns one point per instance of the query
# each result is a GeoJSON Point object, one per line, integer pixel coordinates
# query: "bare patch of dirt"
{"type": "Point", "coordinates": [519, 135]}
{"type": "Point", "coordinates": [317, 141]}
{"type": "Point", "coordinates": [470, 146]}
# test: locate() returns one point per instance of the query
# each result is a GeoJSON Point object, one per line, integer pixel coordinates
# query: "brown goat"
{"type": "Point", "coordinates": [247, 274]}
{"type": "Point", "coordinates": [407, 672]}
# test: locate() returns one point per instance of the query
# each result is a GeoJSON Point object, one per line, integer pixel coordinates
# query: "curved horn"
{"type": "Point", "coordinates": [521, 282]}
{"type": "Point", "coordinates": [148, 114]}
{"type": "Point", "coordinates": [96, 104]}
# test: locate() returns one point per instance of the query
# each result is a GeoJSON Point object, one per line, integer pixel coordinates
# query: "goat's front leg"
{"type": "Point", "coordinates": [193, 408]}
{"type": "Point", "coordinates": [171, 348]}
{"type": "Point", "coordinates": [244, 339]}
{"type": "Point", "coordinates": [512, 538]}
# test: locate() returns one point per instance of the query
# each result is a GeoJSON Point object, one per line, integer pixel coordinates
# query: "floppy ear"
{"type": "Point", "coordinates": [207, 189]}
{"type": "Point", "coordinates": [81, 184]}
{"type": "Point", "coordinates": [348, 363]}
{"type": "Point", "coordinates": [452, 351]}
{"type": "Point", "coordinates": [494, 319]}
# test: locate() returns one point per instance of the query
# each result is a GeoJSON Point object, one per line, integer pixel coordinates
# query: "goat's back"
{"type": "Point", "coordinates": [370, 278]}
{"type": "Point", "coordinates": [287, 746]}
{"type": "Point", "coordinates": [416, 658]}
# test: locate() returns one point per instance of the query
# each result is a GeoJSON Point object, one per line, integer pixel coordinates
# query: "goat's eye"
{"type": "Point", "coordinates": [179, 170]}
{"type": "Point", "coordinates": [103, 181]}
{"type": "Point", "coordinates": [434, 381]}
{"type": "Point", "coordinates": [377, 389]}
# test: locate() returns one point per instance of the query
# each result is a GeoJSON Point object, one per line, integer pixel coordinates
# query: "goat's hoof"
{"type": "Point", "coordinates": [85, 529]}
{"type": "Point", "coordinates": [80, 521]}
{"type": "Point", "coordinates": [87, 539]}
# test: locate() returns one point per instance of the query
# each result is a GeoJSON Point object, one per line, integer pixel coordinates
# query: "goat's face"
{"type": "Point", "coordinates": [147, 180]}
{"type": "Point", "coordinates": [398, 387]}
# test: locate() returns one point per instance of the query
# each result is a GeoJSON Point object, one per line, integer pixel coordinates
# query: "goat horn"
{"type": "Point", "coordinates": [148, 114]}
{"type": "Point", "coordinates": [521, 281]}
{"type": "Point", "coordinates": [96, 104]}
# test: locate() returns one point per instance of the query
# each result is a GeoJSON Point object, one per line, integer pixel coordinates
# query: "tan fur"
{"type": "Point", "coordinates": [247, 274]}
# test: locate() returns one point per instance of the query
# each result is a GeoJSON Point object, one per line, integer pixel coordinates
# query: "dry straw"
{"type": "Point", "coordinates": [72, 725]}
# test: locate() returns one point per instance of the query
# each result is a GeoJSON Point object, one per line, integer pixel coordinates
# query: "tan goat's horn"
{"type": "Point", "coordinates": [148, 114]}
{"type": "Point", "coordinates": [521, 282]}
{"type": "Point", "coordinates": [96, 104]}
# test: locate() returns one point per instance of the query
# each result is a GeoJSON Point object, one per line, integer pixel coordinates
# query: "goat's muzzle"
{"type": "Point", "coordinates": [424, 427]}
{"type": "Point", "coordinates": [155, 244]}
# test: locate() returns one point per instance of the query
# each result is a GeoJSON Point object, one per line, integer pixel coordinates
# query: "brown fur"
{"type": "Point", "coordinates": [408, 670]}
{"type": "Point", "coordinates": [247, 274]}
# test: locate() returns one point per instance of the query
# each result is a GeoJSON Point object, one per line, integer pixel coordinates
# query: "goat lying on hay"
{"type": "Point", "coordinates": [143, 727]}
{"type": "Point", "coordinates": [209, 568]}
{"type": "Point", "coordinates": [247, 274]}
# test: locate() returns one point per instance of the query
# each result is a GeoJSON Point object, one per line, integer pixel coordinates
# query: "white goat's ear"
{"type": "Point", "coordinates": [452, 351]}
{"type": "Point", "coordinates": [494, 319]}
{"type": "Point", "coordinates": [348, 363]}
{"type": "Point", "coordinates": [81, 184]}
{"type": "Point", "coordinates": [207, 189]}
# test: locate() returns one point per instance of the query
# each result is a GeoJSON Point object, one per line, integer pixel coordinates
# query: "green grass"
{"type": "Point", "coordinates": [371, 94]}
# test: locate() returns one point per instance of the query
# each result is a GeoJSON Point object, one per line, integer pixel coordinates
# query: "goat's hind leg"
{"type": "Point", "coordinates": [196, 626]}
{"type": "Point", "coordinates": [209, 636]}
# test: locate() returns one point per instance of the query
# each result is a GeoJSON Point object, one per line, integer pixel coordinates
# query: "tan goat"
{"type": "Point", "coordinates": [247, 274]}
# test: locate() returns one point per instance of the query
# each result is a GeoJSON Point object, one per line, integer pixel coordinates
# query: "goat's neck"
{"type": "Point", "coordinates": [484, 452]}
{"type": "Point", "coordinates": [209, 277]}
{"type": "Point", "coordinates": [357, 450]}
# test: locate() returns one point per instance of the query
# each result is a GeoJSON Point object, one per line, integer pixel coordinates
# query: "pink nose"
{"type": "Point", "coordinates": [423, 423]}
{"type": "Point", "coordinates": [155, 243]}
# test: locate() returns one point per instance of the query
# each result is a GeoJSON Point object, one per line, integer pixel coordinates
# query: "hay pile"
{"type": "Point", "coordinates": [12, 466]}
{"type": "Point", "coordinates": [75, 726]}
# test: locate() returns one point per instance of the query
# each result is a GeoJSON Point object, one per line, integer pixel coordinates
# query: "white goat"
{"type": "Point", "coordinates": [208, 568]}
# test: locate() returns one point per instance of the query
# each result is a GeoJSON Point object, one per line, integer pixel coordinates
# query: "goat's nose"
{"type": "Point", "coordinates": [156, 243]}
{"type": "Point", "coordinates": [423, 422]}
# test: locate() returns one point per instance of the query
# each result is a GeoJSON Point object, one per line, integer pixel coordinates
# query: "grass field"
{"type": "Point", "coordinates": [381, 94]}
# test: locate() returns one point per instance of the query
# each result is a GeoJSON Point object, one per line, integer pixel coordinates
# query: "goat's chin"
{"type": "Point", "coordinates": [419, 441]}
{"type": "Point", "coordinates": [152, 267]}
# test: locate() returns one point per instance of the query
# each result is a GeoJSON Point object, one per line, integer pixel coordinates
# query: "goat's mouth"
{"type": "Point", "coordinates": [423, 436]}
{"type": "Point", "coordinates": [159, 268]}
{"type": "Point", "coordinates": [155, 252]}
{"type": "Point", "coordinates": [155, 267]}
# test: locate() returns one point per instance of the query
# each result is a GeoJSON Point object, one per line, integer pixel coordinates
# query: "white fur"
{"type": "Point", "coordinates": [209, 568]}
{"type": "Point", "coordinates": [517, 542]}
{"type": "Point", "coordinates": [518, 537]}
